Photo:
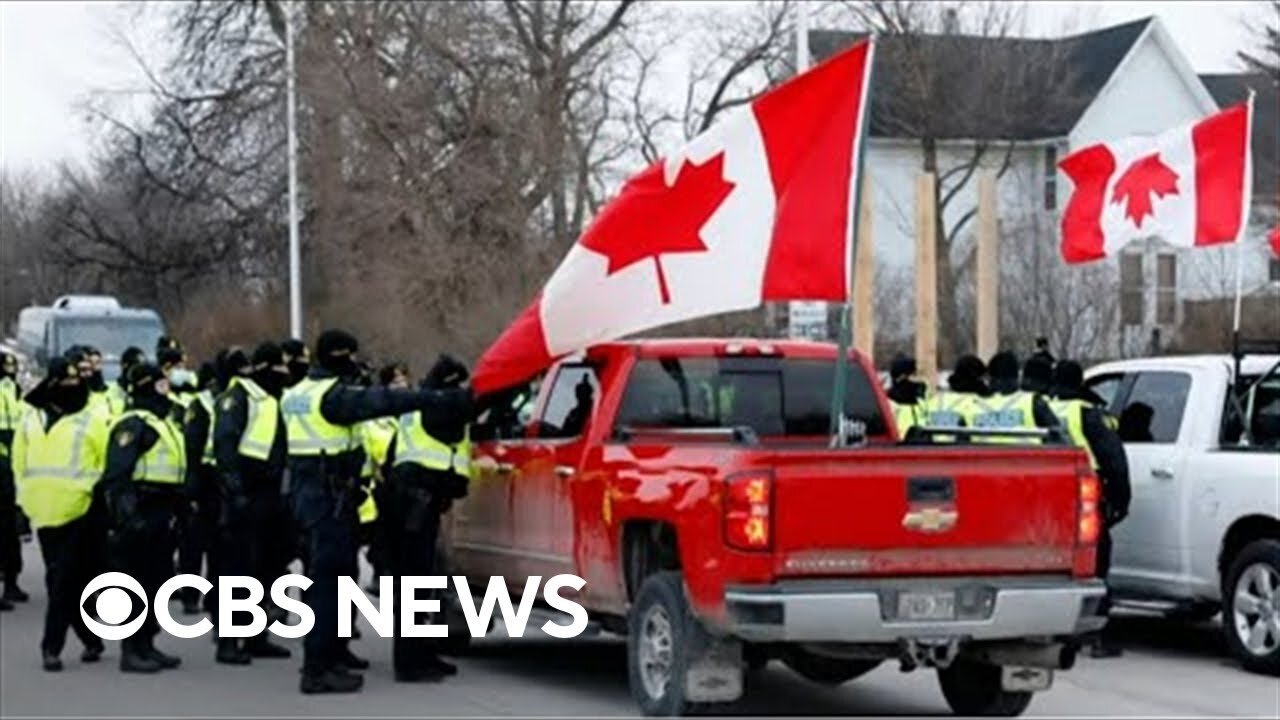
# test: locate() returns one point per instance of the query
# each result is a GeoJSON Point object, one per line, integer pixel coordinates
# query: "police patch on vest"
{"type": "Point", "coordinates": [123, 438]}
{"type": "Point", "coordinates": [229, 402]}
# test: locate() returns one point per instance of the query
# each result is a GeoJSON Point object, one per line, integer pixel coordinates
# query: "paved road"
{"type": "Point", "coordinates": [1170, 670]}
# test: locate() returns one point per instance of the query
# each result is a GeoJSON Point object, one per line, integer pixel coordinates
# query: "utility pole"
{"type": "Point", "coordinates": [295, 254]}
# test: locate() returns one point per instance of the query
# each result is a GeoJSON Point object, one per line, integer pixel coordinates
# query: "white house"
{"type": "Point", "coordinates": [1029, 102]}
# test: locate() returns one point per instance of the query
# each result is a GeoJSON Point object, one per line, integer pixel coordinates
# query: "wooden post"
{"type": "Point", "coordinates": [926, 280]}
{"type": "Point", "coordinates": [864, 287]}
{"type": "Point", "coordinates": [987, 283]}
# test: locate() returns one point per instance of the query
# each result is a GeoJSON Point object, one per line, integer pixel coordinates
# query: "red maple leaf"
{"type": "Point", "coordinates": [649, 219]}
{"type": "Point", "coordinates": [1143, 178]}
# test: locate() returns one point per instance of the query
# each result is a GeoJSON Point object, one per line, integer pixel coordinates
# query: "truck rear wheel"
{"type": "Point", "coordinates": [660, 642]}
{"type": "Point", "coordinates": [976, 689]}
{"type": "Point", "coordinates": [826, 670]}
{"type": "Point", "coordinates": [1251, 618]}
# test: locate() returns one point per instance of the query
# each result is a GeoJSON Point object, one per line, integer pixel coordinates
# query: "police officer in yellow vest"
{"type": "Point", "coordinates": [376, 436]}
{"type": "Point", "coordinates": [906, 393]}
{"type": "Point", "coordinates": [59, 450]}
{"type": "Point", "coordinates": [117, 396]}
{"type": "Point", "coordinates": [196, 535]}
{"type": "Point", "coordinates": [11, 410]}
{"type": "Point", "coordinates": [953, 407]}
{"type": "Point", "coordinates": [143, 487]}
{"type": "Point", "coordinates": [1008, 406]}
{"type": "Point", "coordinates": [249, 444]}
{"type": "Point", "coordinates": [321, 416]}
{"type": "Point", "coordinates": [430, 462]}
{"type": "Point", "coordinates": [1088, 425]}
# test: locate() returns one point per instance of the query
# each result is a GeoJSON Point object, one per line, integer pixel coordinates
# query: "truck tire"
{"type": "Point", "coordinates": [827, 670]}
{"type": "Point", "coordinates": [662, 634]}
{"type": "Point", "coordinates": [975, 689]}
{"type": "Point", "coordinates": [1251, 601]}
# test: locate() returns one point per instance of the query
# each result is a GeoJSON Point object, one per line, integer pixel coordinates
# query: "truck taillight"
{"type": "Point", "coordinates": [1090, 510]}
{"type": "Point", "coordinates": [747, 511]}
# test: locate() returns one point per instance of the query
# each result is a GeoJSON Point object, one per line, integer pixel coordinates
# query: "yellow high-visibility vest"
{"type": "Point", "coordinates": [205, 398]}
{"type": "Point", "coordinates": [55, 469]}
{"type": "Point", "coordinates": [166, 462]}
{"type": "Point", "coordinates": [11, 409]}
{"type": "Point", "coordinates": [306, 428]}
{"type": "Point", "coordinates": [375, 436]}
{"type": "Point", "coordinates": [1071, 416]}
{"type": "Point", "coordinates": [1015, 410]}
{"type": "Point", "coordinates": [115, 399]}
{"type": "Point", "coordinates": [414, 445]}
{"type": "Point", "coordinates": [263, 418]}
{"type": "Point", "coordinates": [906, 416]}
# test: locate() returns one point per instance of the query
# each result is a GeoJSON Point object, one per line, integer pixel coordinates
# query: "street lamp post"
{"type": "Point", "coordinates": [295, 260]}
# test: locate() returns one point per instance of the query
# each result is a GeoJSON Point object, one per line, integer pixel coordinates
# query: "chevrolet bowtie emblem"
{"type": "Point", "coordinates": [930, 519]}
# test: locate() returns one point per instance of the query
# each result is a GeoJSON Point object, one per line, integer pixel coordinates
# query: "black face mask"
{"type": "Point", "coordinates": [344, 367]}
{"type": "Point", "coordinates": [298, 370]}
{"type": "Point", "coordinates": [153, 402]}
{"type": "Point", "coordinates": [69, 398]}
{"type": "Point", "coordinates": [96, 383]}
{"type": "Point", "coordinates": [906, 391]}
{"type": "Point", "coordinates": [272, 381]}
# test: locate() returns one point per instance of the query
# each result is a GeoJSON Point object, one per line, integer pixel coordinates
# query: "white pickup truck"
{"type": "Point", "coordinates": [1203, 531]}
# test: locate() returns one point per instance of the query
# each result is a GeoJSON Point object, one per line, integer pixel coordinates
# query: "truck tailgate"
{"type": "Point", "coordinates": [925, 511]}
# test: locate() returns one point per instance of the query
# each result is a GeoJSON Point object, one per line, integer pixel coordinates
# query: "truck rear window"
{"type": "Point", "coordinates": [773, 396]}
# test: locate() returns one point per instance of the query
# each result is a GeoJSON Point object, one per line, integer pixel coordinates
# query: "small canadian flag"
{"type": "Point", "coordinates": [1189, 186]}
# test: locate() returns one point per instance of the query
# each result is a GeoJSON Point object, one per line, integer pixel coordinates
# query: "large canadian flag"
{"type": "Point", "coordinates": [1189, 186]}
{"type": "Point", "coordinates": [758, 208]}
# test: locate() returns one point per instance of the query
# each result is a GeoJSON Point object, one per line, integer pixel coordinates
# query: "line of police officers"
{"type": "Point", "coordinates": [255, 461]}
{"type": "Point", "coordinates": [1040, 394]}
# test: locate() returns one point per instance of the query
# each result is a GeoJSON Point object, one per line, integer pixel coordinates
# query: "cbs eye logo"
{"type": "Point", "coordinates": [120, 613]}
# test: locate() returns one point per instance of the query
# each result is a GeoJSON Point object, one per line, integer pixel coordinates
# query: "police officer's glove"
{"type": "Point", "coordinates": [122, 508]}
{"type": "Point", "coordinates": [448, 372]}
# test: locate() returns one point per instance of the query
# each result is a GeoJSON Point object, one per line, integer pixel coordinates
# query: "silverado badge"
{"type": "Point", "coordinates": [930, 518]}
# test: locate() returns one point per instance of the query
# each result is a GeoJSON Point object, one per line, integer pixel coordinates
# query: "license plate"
{"type": "Point", "coordinates": [1025, 679]}
{"type": "Point", "coordinates": [926, 606]}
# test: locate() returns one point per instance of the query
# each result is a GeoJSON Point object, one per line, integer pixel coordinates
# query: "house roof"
{"type": "Point", "coordinates": [963, 86]}
{"type": "Point", "coordinates": [1232, 88]}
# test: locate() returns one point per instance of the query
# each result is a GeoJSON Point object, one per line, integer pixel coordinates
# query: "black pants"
{"type": "Point", "coordinates": [410, 524]}
{"type": "Point", "coordinates": [197, 536]}
{"type": "Point", "coordinates": [326, 516]}
{"type": "Point", "coordinates": [253, 543]}
{"type": "Point", "coordinates": [145, 547]}
{"type": "Point", "coordinates": [69, 564]}
{"type": "Point", "coordinates": [10, 544]}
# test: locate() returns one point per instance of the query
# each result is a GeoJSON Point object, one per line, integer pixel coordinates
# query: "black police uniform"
{"type": "Point", "coordinates": [143, 517]}
{"type": "Point", "coordinates": [411, 504]}
{"type": "Point", "coordinates": [196, 536]}
{"type": "Point", "coordinates": [249, 537]}
{"type": "Point", "coordinates": [324, 495]}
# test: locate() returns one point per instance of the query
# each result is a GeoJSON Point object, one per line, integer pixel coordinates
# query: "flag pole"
{"type": "Point", "coordinates": [841, 382]}
{"type": "Point", "coordinates": [1244, 221]}
{"type": "Point", "coordinates": [1237, 355]}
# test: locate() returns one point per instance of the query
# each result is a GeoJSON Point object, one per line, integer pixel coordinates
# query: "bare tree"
{"type": "Point", "coordinates": [958, 80]}
{"type": "Point", "coordinates": [1266, 59]}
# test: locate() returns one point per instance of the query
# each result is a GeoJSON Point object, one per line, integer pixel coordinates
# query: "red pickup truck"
{"type": "Point", "coordinates": [693, 485]}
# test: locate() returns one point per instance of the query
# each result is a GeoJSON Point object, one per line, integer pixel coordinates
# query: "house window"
{"type": "Point", "coordinates": [1273, 270]}
{"type": "Point", "coordinates": [1166, 289]}
{"type": "Point", "coordinates": [1131, 286]}
{"type": "Point", "coordinates": [1051, 178]}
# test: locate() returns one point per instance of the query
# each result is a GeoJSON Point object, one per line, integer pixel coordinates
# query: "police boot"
{"type": "Point", "coordinates": [330, 681]}
{"type": "Point", "coordinates": [15, 594]}
{"type": "Point", "coordinates": [5, 605]}
{"type": "Point", "coordinates": [92, 653]}
{"type": "Point", "coordinates": [262, 647]}
{"type": "Point", "coordinates": [165, 660]}
{"type": "Point", "coordinates": [350, 660]}
{"type": "Point", "coordinates": [230, 653]}
{"type": "Point", "coordinates": [440, 667]}
{"type": "Point", "coordinates": [134, 659]}
{"type": "Point", "coordinates": [51, 662]}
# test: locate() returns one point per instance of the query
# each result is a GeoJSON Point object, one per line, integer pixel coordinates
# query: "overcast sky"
{"type": "Point", "coordinates": [54, 53]}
